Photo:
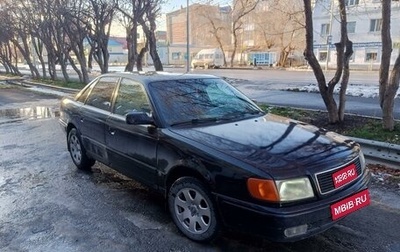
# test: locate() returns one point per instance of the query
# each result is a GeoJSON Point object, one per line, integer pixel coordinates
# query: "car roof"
{"type": "Point", "coordinates": [147, 77]}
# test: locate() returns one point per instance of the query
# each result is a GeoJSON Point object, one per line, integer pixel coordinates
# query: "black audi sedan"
{"type": "Point", "coordinates": [217, 158]}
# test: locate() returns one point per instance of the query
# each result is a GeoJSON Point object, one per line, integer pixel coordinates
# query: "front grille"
{"type": "Point", "coordinates": [325, 181]}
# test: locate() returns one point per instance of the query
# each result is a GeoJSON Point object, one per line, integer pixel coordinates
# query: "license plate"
{"type": "Point", "coordinates": [344, 176]}
{"type": "Point", "coordinates": [350, 204]}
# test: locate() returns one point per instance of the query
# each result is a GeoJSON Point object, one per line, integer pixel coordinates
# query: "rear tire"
{"type": "Point", "coordinates": [192, 210]}
{"type": "Point", "coordinates": [78, 152]}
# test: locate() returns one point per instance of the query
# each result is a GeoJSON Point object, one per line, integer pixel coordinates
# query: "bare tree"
{"type": "Point", "coordinates": [77, 31]}
{"type": "Point", "coordinates": [131, 12]}
{"type": "Point", "coordinates": [388, 84]}
{"type": "Point", "coordinates": [100, 14]}
{"type": "Point", "coordinates": [281, 27]}
{"type": "Point", "coordinates": [343, 53]}
{"type": "Point", "coordinates": [241, 8]}
{"type": "Point", "coordinates": [148, 23]}
{"type": "Point", "coordinates": [7, 52]}
{"type": "Point", "coordinates": [217, 25]}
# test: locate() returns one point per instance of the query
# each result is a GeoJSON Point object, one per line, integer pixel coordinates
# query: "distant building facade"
{"type": "Point", "coordinates": [364, 25]}
{"type": "Point", "coordinates": [201, 20]}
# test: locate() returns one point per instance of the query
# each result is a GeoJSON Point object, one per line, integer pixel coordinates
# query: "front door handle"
{"type": "Point", "coordinates": [112, 131]}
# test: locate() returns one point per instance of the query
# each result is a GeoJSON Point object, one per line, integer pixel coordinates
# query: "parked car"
{"type": "Point", "coordinates": [217, 158]}
{"type": "Point", "coordinates": [208, 58]}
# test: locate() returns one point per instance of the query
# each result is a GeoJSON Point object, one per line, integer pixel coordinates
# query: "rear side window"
{"type": "Point", "coordinates": [102, 92]}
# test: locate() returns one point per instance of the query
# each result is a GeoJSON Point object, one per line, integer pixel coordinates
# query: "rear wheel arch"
{"type": "Point", "coordinates": [70, 126]}
{"type": "Point", "coordinates": [77, 150]}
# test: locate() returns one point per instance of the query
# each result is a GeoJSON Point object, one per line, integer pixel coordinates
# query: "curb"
{"type": "Point", "coordinates": [68, 90]}
{"type": "Point", "coordinates": [30, 84]}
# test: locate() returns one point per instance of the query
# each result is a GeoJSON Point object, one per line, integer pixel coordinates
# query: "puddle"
{"type": "Point", "coordinates": [30, 113]}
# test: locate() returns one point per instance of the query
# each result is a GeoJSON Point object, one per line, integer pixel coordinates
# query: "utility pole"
{"type": "Point", "coordinates": [187, 38]}
{"type": "Point", "coordinates": [329, 37]}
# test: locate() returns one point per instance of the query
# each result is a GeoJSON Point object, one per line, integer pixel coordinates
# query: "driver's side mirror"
{"type": "Point", "coordinates": [139, 118]}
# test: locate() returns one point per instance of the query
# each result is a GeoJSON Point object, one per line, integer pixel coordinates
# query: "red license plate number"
{"type": "Point", "coordinates": [350, 204]}
{"type": "Point", "coordinates": [344, 176]}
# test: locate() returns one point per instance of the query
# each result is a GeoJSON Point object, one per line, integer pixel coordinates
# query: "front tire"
{"type": "Point", "coordinates": [77, 151]}
{"type": "Point", "coordinates": [193, 210]}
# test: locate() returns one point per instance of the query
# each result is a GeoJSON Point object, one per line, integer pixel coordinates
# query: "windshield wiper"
{"type": "Point", "coordinates": [240, 114]}
{"type": "Point", "coordinates": [196, 121]}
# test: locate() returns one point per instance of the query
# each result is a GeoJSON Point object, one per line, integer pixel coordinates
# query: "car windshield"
{"type": "Point", "coordinates": [193, 101]}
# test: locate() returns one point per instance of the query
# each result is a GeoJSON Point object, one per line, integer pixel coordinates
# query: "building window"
{"type": "Point", "coordinates": [375, 25]}
{"type": "Point", "coordinates": [322, 56]}
{"type": "Point", "coordinates": [351, 2]}
{"type": "Point", "coordinates": [325, 29]}
{"type": "Point", "coordinates": [176, 55]}
{"type": "Point", "coordinates": [371, 57]}
{"type": "Point", "coordinates": [351, 27]}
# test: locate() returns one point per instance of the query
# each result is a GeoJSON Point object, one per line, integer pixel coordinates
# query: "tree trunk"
{"type": "Point", "coordinates": [345, 79]}
{"type": "Point", "coordinates": [25, 52]}
{"type": "Point", "coordinates": [52, 65]}
{"type": "Point", "coordinates": [326, 93]}
{"type": "Point", "coordinates": [139, 60]}
{"type": "Point", "coordinates": [63, 64]}
{"type": "Point", "coordinates": [131, 39]}
{"type": "Point", "coordinates": [153, 51]}
{"type": "Point", "coordinates": [335, 115]}
{"type": "Point", "coordinates": [390, 94]}
{"type": "Point", "coordinates": [234, 46]}
{"type": "Point", "coordinates": [387, 86]}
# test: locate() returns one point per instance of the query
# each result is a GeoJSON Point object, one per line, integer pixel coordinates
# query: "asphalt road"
{"type": "Point", "coordinates": [46, 204]}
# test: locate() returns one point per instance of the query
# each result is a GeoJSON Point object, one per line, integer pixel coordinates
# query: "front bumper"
{"type": "Point", "coordinates": [271, 222]}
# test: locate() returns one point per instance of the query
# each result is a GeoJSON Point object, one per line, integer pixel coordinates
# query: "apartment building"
{"type": "Point", "coordinates": [203, 22]}
{"type": "Point", "coordinates": [364, 24]}
{"type": "Point", "coordinates": [273, 33]}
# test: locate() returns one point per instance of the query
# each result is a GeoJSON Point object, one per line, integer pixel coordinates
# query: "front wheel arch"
{"type": "Point", "coordinates": [184, 171]}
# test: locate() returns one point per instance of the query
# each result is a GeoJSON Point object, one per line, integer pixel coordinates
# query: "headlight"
{"type": "Point", "coordinates": [280, 190]}
{"type": "Point", "coordinates": [294, 189]}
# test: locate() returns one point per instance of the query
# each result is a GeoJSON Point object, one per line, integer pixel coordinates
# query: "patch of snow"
{"type": "Point", "coordinates": [359, 90]}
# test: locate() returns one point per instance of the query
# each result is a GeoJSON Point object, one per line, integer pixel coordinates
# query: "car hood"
{"type": "Point", "coordinates": [275, 144]}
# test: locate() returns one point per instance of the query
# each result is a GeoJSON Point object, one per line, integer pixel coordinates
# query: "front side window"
{"type": "Point", "coordinates": [82, 95]}
{"type": "Point", "coordinates": [131, 97]}
{"type": "Point", "coordinates": [198, 100]}
{"type": "Point", "coordinates": [102, 92]}
{"type": "Point", "coordinates": [375, 25]}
